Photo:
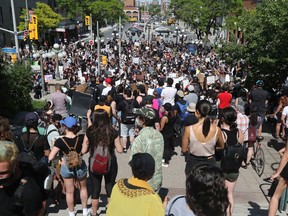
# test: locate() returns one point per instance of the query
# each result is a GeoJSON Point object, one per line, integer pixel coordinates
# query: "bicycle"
{"type": "Point", "coordinates": [258, 159]}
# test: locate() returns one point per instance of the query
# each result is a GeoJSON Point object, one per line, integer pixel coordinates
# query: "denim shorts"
{"type": "Point", "coordinates": [127, 130]}
{"type": "Point", "coordinates": [69, 173]}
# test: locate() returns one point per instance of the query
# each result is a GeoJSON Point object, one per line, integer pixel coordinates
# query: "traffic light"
{"type": "Point", "coordinates": [34, 19]}
{"type": "Point", "coordinates": [87, 20]}
{"type": "Point", "coordinates": [104, 60]}
{"type": "Point", "coordinates": [33, 31]}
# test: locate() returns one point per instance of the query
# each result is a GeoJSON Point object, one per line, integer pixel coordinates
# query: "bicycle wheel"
{"type": "Point", "coordinates": [259, 161]}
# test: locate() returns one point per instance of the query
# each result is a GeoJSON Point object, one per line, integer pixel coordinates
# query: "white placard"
{"type": "Point", "coordinates": [211, 79]}
{"type": "Point", "coordinates": [48, 78]}
{"type": "Point", "coordinates": [135, 60]}
{"type": "Point", "coordinates": [185, 83]}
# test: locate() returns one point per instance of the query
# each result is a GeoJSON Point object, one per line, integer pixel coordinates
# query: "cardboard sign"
{"type": "Point", "coordinates": [211, 80]}
{"type": "Point", "coordinates": [48, 78]}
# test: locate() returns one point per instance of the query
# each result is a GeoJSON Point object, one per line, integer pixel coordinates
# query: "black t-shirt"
{"type": "Point", "coordinates": [190, 120]}
{"type": "Point", "coordinates": [258, 97]}
{"type": "Point", "coordinates": [121, 105]}
{"type": "Point", "coordinates": [71, 142]}
{"type": "Point", "coordinates": [89, 134]}
{"type": "Point", "coordinates": [117, 98]}
{"type": "Point", "coordinates": [39, 147]}
{"type": "Point", "coordinates": [32, 199]}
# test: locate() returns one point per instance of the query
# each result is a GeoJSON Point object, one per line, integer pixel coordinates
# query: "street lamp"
{"type": "Point", "coordinates": [58, 54]}
{"type": "Point", "coordinates": [42, 56]}
{"type": "Point", "coordinates": [177, 30]}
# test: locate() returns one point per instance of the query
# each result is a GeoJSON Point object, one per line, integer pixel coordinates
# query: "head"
{"type": "Point", "coordinates": [203, 108]}
{"type": "Point", "coordinates": [108, 81]}
{"type": "Point", "coordinates": [206, 193]}
{"type": "Point", "coordinates": [56, 118]}
{"type": "Point", "coordinates": [93, 80]}
{"type": "Point", "coordinates": [191, 108]}
{"type": "Point", "coordinates": [229, 117]}
{"type": "Point", "coordinates": [141, 89]}
{"type": "Point", "coordinates": [57, 87]}
{"type": "Point", "coordinates": [127, 92]}
{"type": "Point", "coordinates": [160, 82]}
{"type": "Point", "coordinates": [224, 87]}
{"type": "Point", "coordinates": [259, 83]}
{"type": "Point", "coordinates": [190, 88]}
{"type": "Point", "coordinates": [180, 94]}
{"type": "Point", "coordinates": [31, 120]}
{"type": "Point", "coordinates": [145, 116]}
{"type": "Point", "coordinates": [8, 156]}
{"type": "Point", "coordinates": [170, 81]}
{"type": "Point", "coordinates": [70, 124]}
{"type": "Point", "coordinates": [5, 131]}
{"type": "Point", "coordinates": [143, 166]}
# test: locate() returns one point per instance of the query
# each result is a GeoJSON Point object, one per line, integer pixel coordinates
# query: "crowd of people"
{"type": "Point", "coordinates": [146, 102]}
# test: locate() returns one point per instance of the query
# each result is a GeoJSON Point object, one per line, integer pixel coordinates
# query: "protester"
{"type": "Point", "coordinates": [59, 101]}
{"type": "Point", "coordinates": [101, 132]}
{"type": "Point", "coordinates": [5, 131]}
{"type": "Point", "coordinates": [206, 194]}
{"type": "Point", "coordinates": [149, 141]}
{"type": "Point", "coordinates": [134, 196]}
{"type": "Point", "coordinates": [200, 140]}
{"type": "Point", "coordinates": [76, 174]}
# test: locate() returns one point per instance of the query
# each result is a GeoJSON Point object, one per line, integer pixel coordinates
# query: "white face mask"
{"type": "Point", "coordinates": [138, 123]}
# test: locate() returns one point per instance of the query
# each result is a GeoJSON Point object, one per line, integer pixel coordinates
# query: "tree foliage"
{"type": "Point", "coordinates": [266, 45]}
{"type": "Point", "coordinates": [154, 10]}
{"type": "Point", "coordinates": [204, 15]}
{"type": "Point", "coordinates": [47, 18]}
{"type": "Point", "coordinates": [102, 11]}
{"type": "Point", "coordinates": [15, 85]}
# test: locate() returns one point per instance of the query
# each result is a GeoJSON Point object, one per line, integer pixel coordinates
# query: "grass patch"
{"type": "Point", "coordinates": [38, 104]}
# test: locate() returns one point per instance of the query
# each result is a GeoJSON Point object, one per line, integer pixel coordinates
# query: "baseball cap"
{"type": "Point", "coordinates": [180, 93]}
{"type": "Point", "coordinates": [69, 122]}
{"type": "Point", "coordinates": [145, 112]}
{"type": "Point", "coordinates": [190, 88]}
{"type": "Point", "coordinates": [108, 80]}
{"type": "Point", "coordinates": [191, 107]}
{"type": "Point", "coordinates": [259, 83]}
{"type": "Point", "coordinates": [31, 117]}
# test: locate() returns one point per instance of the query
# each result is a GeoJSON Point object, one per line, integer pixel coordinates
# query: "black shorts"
{"type": "Point", "coordinates": [279, 115]}
{"type": "Point", "coordinates": [284, 173]}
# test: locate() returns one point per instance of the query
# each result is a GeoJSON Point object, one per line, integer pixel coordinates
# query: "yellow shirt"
{"type": "Point", "coordinates": [134, 197]}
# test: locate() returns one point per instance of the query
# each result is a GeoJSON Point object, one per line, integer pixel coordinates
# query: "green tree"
{"type": "Point", "coordinates": [154, 10]}
{"type": "Point", "coordinates": [204, 15]}
{"type": "Point", "coordinates": [47, 18]}
{"type": "Point", "coordinates": [265, 49]}
{"type": "Point", "coordinates": [15, 85]}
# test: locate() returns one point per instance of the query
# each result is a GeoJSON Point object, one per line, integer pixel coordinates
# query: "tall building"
{"type": "Point", "coordinates": [129, 3]}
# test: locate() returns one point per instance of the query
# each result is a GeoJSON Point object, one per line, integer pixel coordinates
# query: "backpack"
{"type": "Point", "coordinates": [73, 159]}
{"type": "Point", "coordinates": [127, 115]}
{"type": "Point", "coordinates": [232, 156]}
{"type": "Point", "coordinates": [252, 134]}
{"type": "Point", "coordinates": [27, 158]}
{"type": "Point", "coordinates": [100, 161]}
{"type": "Point", "coordinates": [183, 110]}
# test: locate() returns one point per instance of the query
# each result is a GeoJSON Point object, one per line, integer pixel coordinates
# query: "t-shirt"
{"type": "Point", "coordinates": [52, 134]}
{"type": "Point", "coordinates": [225, 99]}
{"type": "Point", "coordinates": [285, 113]}
{"type": "Point", "coordinates": [191, 98]}
{"type": "Point", "coordinates": [106, 90]}
{"type": "Point", "coordinates": [71, 142]}
{"type": "Point", "coordinates": [258, 97]}
{"type": "Point", "coordinates": [32, 199]}
{"type": "Point", "coordinates": [59, 101]}
{"type": "Point", "coordinates": [39, 147]}
{"type": "Point", "coordinates": [190, 120]}
{"type": "Point", "coordinates": [168, 95]}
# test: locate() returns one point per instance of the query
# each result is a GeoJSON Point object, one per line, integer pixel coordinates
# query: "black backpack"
{"type": "Point", "coordinates": [127, 115]}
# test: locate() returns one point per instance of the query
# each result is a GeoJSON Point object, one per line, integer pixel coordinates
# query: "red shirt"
{"type": "Point", "coordinates": [225, 99]}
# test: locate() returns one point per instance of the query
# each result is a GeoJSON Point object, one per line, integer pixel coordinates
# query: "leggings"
{"type": "Point", "coordinates": [109, 180]}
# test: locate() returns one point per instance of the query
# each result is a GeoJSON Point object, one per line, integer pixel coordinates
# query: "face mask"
{"type": "Point", "coordinates": [138, 123]}
{"type": "Point", "coordinates": [3, 181]}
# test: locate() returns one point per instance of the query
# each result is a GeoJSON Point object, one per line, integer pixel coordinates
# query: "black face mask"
{"type": "Point", "coordinates": [4, 181]}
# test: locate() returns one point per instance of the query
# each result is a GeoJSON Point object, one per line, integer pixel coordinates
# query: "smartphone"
{"type": "Point", "coordinates": [163, 193]}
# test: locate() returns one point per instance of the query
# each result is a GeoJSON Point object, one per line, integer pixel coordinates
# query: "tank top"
{"type": "Point", "coordinates": [168, 129]}
{"type": "Point", "coordinates": [232, 136]}
{"type": "Point", "coordinates": [200, 149]}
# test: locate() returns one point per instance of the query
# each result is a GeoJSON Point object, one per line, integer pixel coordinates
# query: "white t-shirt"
{"type": "Point", "coordinates": [106, 90]}
{"type": "Point", "coordinates": [53, 135]}
{"type": "Point", "coordinates": [285, 113]}
{"type": "Point", "coordinates": [168, 94]}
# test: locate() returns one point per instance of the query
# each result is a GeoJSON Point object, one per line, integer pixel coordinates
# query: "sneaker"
{"type": "Point", "coordinates": [165, 165]}
{"type": "Point", "coordinates": [124, 150]}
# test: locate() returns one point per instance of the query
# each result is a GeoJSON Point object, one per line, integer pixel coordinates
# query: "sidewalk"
{"type": "Point", "coordinates": [250, 192]}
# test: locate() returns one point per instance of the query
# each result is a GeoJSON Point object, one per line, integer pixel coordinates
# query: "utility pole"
{"type": "Point", "coordinates": [15, 28]}
{"type": "Point", "coordinates": [91, 31]}
{"type": "Point", "coordinates": [98, 50]}
{"type": "Point", "coordinates": [120, 42]}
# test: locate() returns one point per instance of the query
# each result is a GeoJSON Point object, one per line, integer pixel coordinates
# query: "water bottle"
{"type": "Point", "coordinates": [48, 181]}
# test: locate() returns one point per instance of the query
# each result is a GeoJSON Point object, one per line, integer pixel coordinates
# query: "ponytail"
{"type": "Point", "coordinates": [206, 126]}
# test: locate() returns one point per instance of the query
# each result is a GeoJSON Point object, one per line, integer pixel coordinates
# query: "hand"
{"type": "Point", "coordinates": [165, 202]}
{"type": "Point", "coordinates": [275, 175]}
{"type": "Point", "coordinates": [89, 113]}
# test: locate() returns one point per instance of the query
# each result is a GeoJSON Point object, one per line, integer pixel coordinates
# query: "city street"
{"type": "Point", "coordinates": [250, 192]}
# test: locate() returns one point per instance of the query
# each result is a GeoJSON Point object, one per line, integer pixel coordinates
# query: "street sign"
{"type": "Point", "coordinates": [8, 50]}
{"type": "Point", "coordinates": [26, 32]}
{"type": "Point", "coordinates": [90, 42]}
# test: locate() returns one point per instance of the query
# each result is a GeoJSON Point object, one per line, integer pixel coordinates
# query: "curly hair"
{"type": "Point", "coordinates": [101, 129]}
{"type": "Point", "coordinates": [5, 131]}
{"type": "Point", "coordinates": [206, 194]}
